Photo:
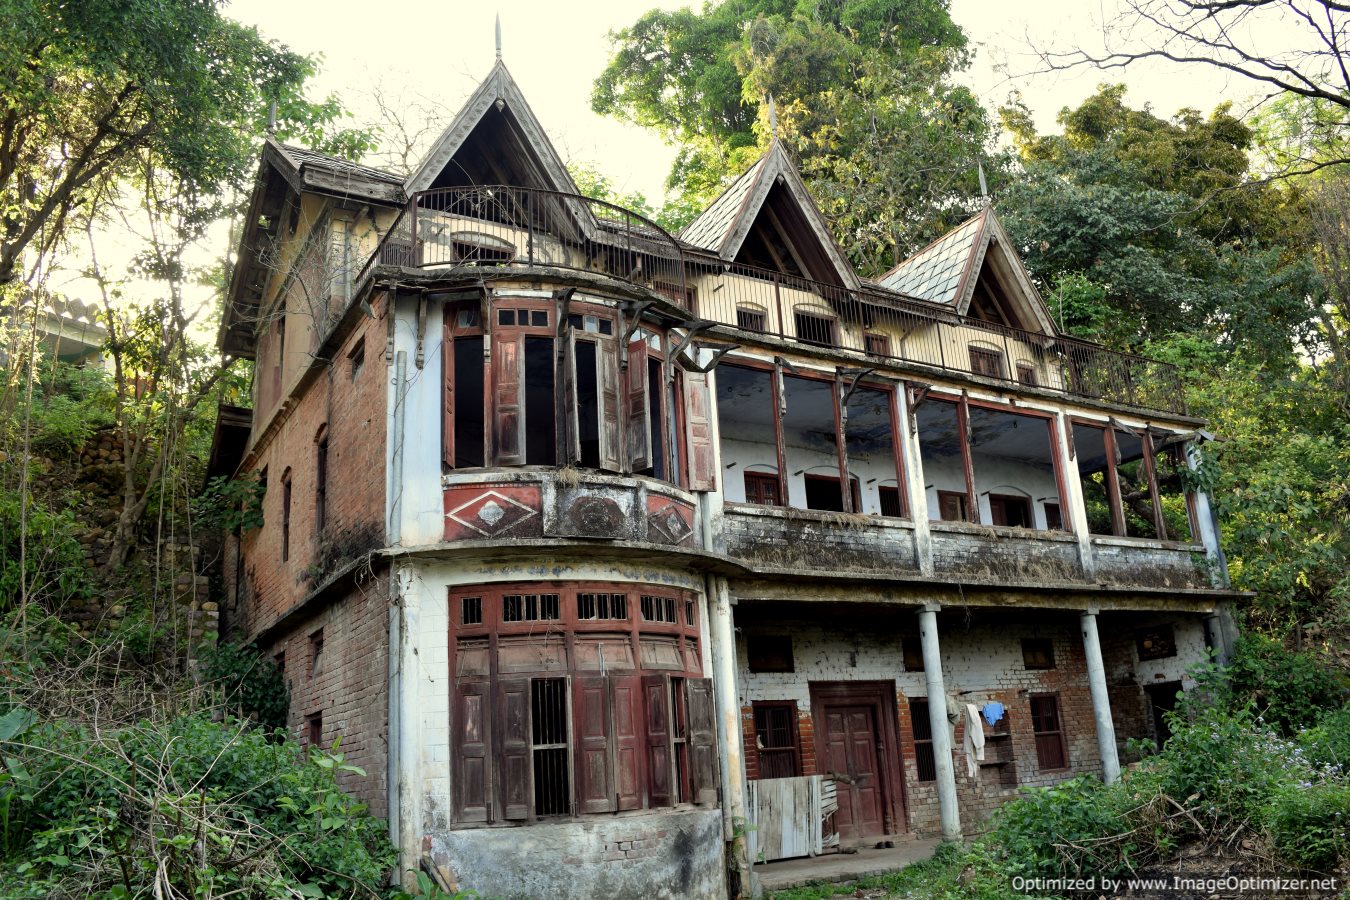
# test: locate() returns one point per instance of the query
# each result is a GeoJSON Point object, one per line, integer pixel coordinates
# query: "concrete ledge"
{"type": "Point", "coordinates": [839, 867]}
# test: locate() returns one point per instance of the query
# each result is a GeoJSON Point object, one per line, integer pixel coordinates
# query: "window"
{"type": "Point", "coordinates": [986, 362]}
{"type": "Point", "coordinates": [356, 359]}
{"type": "Point", "coordinates": [822, 492]}
{"type": "Point", "coordinates": [1050, 753]}
{"type": "Point", "coordinates": [889, 498]}
{"type": "Point", "coordinates": [314, 729]}
{"type": "Point", "coordinates": [749, 319]}
{"type": "Point", "coordinates": [315, 651]}
{"type": "Point", "coordinates": [776, 740]}
{"type": "Point", "coordinates": [769, 652]}
{"type": "Point", "coordinates": [280, 662]}
{"type": "Point", "coordinates": [286, 516]}
{"type": "Point", "coordinates": [1026, 374]}
{"type": "Point", "coordinates": [762, 488]}
{"type": "Point", "coordinates": [569, 718]}
{"type": "Point", "coordinates": [813, 328]}
{"type": "Point", "coordinates": [1054, 518]}
{"type": "Point", "coordinates": [1038, 653]}
{"type": "Point", "coordinates": [952, 506]}
{"type": "Point", "coordinates": [922, 728]}
{"type": "Point", "coordinates": [466, 394]}
{"type": "Point", "coordinates": [877, 344]}
{"type": "Point", "coordinates": [321, 484]}
{"type": "Point", "coordinates": [1130, 488]}
{"type": "Point", "coordinates": [1010, 510]}
{"type": "Point", "coordinates": [658, 609]}
{"type": "Point", "coordinates": [280, 369]}
{"type": "Point", "coordinates": [1158, 642]}
{"type": "Point", "coordinates": [911, 650]}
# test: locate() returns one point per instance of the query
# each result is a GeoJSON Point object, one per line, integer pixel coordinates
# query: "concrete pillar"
{"type": "Point", "coordinates": [916, 493]}
{"type": "Point", "coordinates": [1101, 703]}
{"type": "Point", "coordinates": [937, 720]}
{"type": "Point", "coordinates": [1072, 507]}
{"type": "Point", "coordinates": [735, 812]}
{"type": "Point", "coordinates": [1207, 524]}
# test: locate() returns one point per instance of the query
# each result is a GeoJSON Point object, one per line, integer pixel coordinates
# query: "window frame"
{"type": "Point", "coordinates": [792, 751]}
{"type": "Point", "coordinates": [993, 363]}
{"type": "Point", "coordinates": [1114, 498]}
{"type": "Point", "coordinates": [815, 318]}
{"type": "Point", "coordinates": [925, 764]}
{"type": "Point", "coordinates": [1042, 736]}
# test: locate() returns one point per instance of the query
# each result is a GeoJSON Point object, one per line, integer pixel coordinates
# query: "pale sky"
{"type": "Point", "coordinates": [555, 50]}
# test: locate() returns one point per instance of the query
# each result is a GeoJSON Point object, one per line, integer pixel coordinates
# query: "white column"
{"type": "Point", "coordinates": [937, 720]}
{"type": "Point", "coordinates": [730, 742]}
{"type": "Point", "coordinates": [1073, 505]}
{"type": "Point", "coordinates": [1101, 703]}
{"type": "Point", "coordinates": [916, 495]}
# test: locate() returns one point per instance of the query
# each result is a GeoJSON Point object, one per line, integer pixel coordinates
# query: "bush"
{"type": "Point", "coordinates": [1309, 825]}
{"type": "Point", "coordinates": [53, 564]}
{"type": "Point", "coordinates": [215, 807]}
{"type": "Point", "coordinates": [1289, 690]}
{"type": "Point", "coordinates": [1327, 743]}
{"type": "Point", "coordinates": [250, 683]}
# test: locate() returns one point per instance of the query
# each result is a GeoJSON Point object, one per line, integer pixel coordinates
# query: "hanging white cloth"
{"type": "Point", "coordinates": [974, 743]}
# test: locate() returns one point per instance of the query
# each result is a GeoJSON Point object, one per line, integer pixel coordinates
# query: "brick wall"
{"type": "Point", "coordinates": [344, 683]}
{"type": "Point", "coordinates": [351, 410]}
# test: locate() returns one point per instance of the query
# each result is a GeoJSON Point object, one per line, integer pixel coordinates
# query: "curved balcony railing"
{"type": "Point", "coordinates": [467, 227]}
{"type": "Point", "coordinates": [491, 226]}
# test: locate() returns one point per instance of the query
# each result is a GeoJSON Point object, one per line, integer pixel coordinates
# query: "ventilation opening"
{"type": "Point", "coordinates": [548, 717]}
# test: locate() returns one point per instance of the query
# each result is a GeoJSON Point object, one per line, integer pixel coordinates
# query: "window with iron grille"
{"type": "Point", "coordinates": [986, 362]}
{"type": "Point", "coordinates": [776, 740]}
{"type": "Point", "coordinates": [922, 727]}
{"type": "Point", "coordinates": [549, 743]}
{"type": "Point", "coordinates": [1026, 374]}
{"type": "Point", "coordinates": [321, 484]}
{"type": "Point", "coordinates": [602, 606]}
{"type": "Point", "coordinates": [890, 501]}
{"type": "Point", "coordinates": [286, 516]}
{"type": "Point", "coordinates": [762, 488]}
{"type": "Point", "coordinates": [658, 609]}
{"type": "Point", "coordinates": [1038, 653]}
{"type": "Point", "coordinates": [748, 319]}
{"type": "Point", "coordinates": [1050, 753]}
{"type": "Point", "coordinates": [471, 611]}
{"type": "Point", "coordinates": [877, 344]}
{"type": "Point", "coordinates": [815, 329]}
{"type": "Point", "coordinates": [529, 607]}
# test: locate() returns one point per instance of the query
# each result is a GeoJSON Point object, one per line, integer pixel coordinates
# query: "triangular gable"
{"type": "Point", "coordinates": [773, 183]}
{"type": "Point", "coordinates": [974, 270]}
{"type": "Point", "coordinates": [497, 115]}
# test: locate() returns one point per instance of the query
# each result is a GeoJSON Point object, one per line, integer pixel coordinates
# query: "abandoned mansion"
{"type": "Point", "coordinates": [625, 562]}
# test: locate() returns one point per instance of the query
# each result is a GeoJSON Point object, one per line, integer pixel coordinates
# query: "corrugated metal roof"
{"type": "Point", "coordinates": [710, 229]}
{"type": "Point", "coordinates": [935, 272]}
{"type": "Point", "coordinates": [303, 156]}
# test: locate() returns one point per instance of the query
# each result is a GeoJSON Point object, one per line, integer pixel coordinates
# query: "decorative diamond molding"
{"type": "Point", "coordinates": [668, 524]}
{"type": "Point", "coordinates": [491, 513]}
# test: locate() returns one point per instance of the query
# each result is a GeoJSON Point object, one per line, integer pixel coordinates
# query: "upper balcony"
{"type": "Point", "coordinates": [465, 228]}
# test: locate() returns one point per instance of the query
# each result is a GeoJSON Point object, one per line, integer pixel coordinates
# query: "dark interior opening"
{"type": "Point", "coordinates": [468, 402]}
{"type": "Point", "coordinates": [541, 447]}
{"type": "Point", "coordinates": [588, 404]}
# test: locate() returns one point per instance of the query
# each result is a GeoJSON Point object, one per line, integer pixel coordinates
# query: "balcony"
{"type": "Point", "coordinates": [460, 230]}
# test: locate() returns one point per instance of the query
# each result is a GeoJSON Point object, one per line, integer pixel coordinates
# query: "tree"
{"type": "Point", "coordinates": [1241, 37]}
{"type": "Point", "coordinates": [1166, 220]}
{"type": "Point", "coordinates": [701, 80]}
{"type": "Point", "coordinates": [86, 86]}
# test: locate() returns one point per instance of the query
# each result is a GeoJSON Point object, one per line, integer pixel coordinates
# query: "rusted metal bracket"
{"type": "Point", "coordinates": [918, 392]}
{"type": "Point", "coordinates": [718, 353]}
{"type": "Point", "coordinates": [779, 364]}
{"type": "Point", "coordinates": [692, 330]}
{"type": "Point", "coordinates": [858, 375]}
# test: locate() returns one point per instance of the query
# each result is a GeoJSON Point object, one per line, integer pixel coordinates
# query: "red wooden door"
{"type": "Point", "coordinates": [851, 754]}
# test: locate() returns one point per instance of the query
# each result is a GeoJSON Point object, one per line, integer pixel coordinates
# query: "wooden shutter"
{"type": "Point", "coordinates": [513, 758]}
{"type": "Point", "coordinates": [626, 695]}
{"type": "Point", "coordinates": [607, 379]}
{"type": "Point", "coordinates": [639, 409]}
{"type": "Point", "coordinates": [703, 757]}
{"type": "Point", "coordinates": [593, 750]}
{"type": "Point", "coordinates": [508, 391]}
{"type": "Point", "coordinates": [660, 761]}
{"type": "Point", "coordinates": [448, 392]}
{"type": "Point", "coordinates": [698, 415]}
{"type": "Point", "coordinates": [571, 421]}
{"type": "Point", "coordinates": [472, 749]}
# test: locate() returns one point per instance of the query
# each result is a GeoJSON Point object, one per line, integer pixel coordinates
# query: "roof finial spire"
{"type": "Point", "coordinates": [773, 119]}
{"type": "Point", "coordinates": [984, 187]}
{"type": "Point", "coordinates": [499, 35]}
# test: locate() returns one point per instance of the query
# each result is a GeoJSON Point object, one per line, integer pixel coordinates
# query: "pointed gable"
{"type": "Point", "coordinates": [974, 270]}
{"type": "Point", "coordinates": [767, 218]}
{"type": "Point", "coordinates": [493, 139]}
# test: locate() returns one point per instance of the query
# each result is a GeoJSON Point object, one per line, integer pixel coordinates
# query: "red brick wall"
{"type": "Point", "coordinates": [347, 687]}
{"type": "Point", "coordinates": [354, 413]}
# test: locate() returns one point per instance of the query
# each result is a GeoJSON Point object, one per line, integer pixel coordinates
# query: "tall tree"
{"type": "Point", "coordinates": [1166, 220]}
{"type": "Point", "coordinates": [87, 85]}
{"type": "Point", "coordinates": [857, 84]}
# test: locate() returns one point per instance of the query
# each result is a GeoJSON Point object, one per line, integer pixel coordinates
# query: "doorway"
{"type": "Point", "coordinates": [1162, 699]}
{"type": "Point", "coordinates": [857, 743]}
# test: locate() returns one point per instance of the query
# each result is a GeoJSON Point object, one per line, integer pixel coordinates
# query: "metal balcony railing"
{"type": "Point", "coordinates": [493, 226]}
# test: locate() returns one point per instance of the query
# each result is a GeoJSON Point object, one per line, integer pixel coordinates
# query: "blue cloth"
{"type": "Point", "coordinates": [993, 711]}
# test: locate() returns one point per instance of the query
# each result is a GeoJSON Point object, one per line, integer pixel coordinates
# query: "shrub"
{"type": "Point", "coordinates": [1309, 825]}
{"type": "Point", "coordinates": [251, 684]}
{"type": "Point", "coordinates": [212, 807]}
{"type": "Point", "coordinates": [1289, 690]}
{"type": "Point", "coordinates": [1328, 742]}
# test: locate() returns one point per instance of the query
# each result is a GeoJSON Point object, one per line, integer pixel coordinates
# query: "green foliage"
{"type": "Point", "coordinates": [69, 405]}
{"type": "Point", "coordinates": [1327, 744]}
{"type": "Point", "coordinates": [52, 564]}
{"type": "Point", "coordinates": [212, 807]}
{"type": "Point", "coordinates": [233, 505]}
{"type": "Point", "coordinates": [251, 683]}
{"type": "Point", "coordinates": [1288, 690]}
{"type": "Point", "coordinates": [954, 872]}
{"type": "Point", "coordinates": [1309, 824]}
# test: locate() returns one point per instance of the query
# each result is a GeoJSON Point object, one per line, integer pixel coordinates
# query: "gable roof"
{"type": "Point", "coordinates": [724, 225]}
{"type": "Point", "coordinates": [498, 91]}
{"type": "Point", "coordinates": [947, 270]}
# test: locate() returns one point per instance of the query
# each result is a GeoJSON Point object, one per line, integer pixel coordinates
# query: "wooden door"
{"type": "Point", "coordinates": [851, 754]}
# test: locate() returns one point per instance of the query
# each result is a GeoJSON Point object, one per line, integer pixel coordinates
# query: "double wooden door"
{"type": "Point", "coordinates": [857, 745]}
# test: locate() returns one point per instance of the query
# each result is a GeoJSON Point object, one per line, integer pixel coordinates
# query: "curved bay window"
{"type": "Point", "coordinates": [577, 698]}
{"type": "Point", "coordinates": [552, 382]}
